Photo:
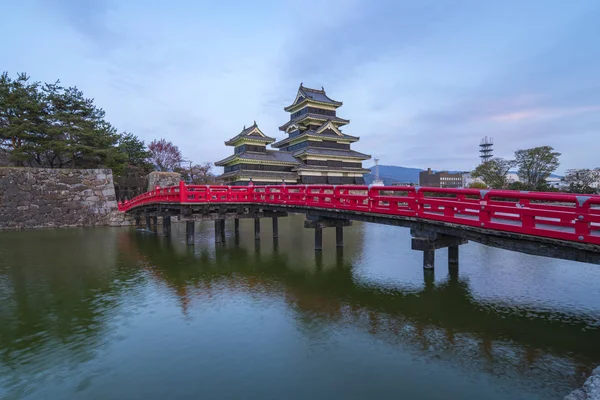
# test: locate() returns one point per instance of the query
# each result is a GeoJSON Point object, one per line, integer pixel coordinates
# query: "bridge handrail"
{"type": "Point", "coordinates": [531, 213]}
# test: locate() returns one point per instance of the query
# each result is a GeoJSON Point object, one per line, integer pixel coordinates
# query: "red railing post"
{"type": "Point", "coordinates": [485, 216]}
{"type": "Point", "coordinates": [182, 194]}
{"type": "Point", "coordinates": [582, 224]}
{"type": "Point", "coordinates": [251, 192]}
{"type": "Point", "coordinates": [419, 201]}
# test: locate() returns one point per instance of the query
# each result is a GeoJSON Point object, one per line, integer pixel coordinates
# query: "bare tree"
{"type": "Point", "coordinates": [200, 173]}
{"type": "Point", "coordinates": [583, 180]}
{"type": "Point", "coordinates": [164, 155]}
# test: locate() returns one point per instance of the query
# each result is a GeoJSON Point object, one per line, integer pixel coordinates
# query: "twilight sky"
{"type": "Point", "coordinates": [422, 81]}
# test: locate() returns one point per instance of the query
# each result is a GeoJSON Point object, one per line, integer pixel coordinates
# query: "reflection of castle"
{"type": "Point", "coordinates": [315, 151]}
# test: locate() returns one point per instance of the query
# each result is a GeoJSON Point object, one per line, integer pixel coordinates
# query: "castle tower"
{"type": "Point", "coordinates": [252, 161]}
{"type": "Point", "coordinates": [316, 140]}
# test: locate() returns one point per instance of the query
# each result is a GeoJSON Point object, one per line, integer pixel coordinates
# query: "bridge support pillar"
{"type": "Point", "coordinates": [167, 226]}
{"type": "Point", "coordinates": [428, 259]}
{"type": "Point", "coordinates": [256, 228]}
{"type": "Point", "coordinates": [138, 221]}
{"type": "Point", "coordinates": [148, 227]}
{"type": "Point", "coordinates": [339, 236]}
{"type": "Point", "coordinates": [236, 226]}
{"type": "Point", "coordinates": [453, 256]}
{"type": "Point", "coordinates": [428, 241]}
{"type": "Point", "coordinates": [318, 223]}
{"type": "Point", "coordinates": [190, 232]}
{"type": "Point", "coordinates": [275, 228]}
{"type": "Point", "coordinates": [155, 223]}
{"type": "Point", "coordinates": [219, 230]}
{"type": "Point", "coordinates": [318, 238]}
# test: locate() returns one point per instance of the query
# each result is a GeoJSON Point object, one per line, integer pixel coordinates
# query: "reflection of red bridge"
{"type": "Point", "coordinates": [442, 319]}
{"type": "Point", "coordinates": [554, 224]}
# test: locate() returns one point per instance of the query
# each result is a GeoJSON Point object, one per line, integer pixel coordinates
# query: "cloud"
{"type": "Point", "coordinates": [421, 81]}
{"type": "Point", "coordinates": [88, 18]}
{"type": "Point", "coordinates": [542, 113]}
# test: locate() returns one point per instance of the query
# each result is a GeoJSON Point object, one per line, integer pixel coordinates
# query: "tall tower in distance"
{"type": "Point", "coordinates": [377, 181]}
{"type": "Point", "coordinates": [486, 149]}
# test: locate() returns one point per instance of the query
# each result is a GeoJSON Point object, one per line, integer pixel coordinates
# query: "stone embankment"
{"type": "Point", "coordinates": [163, 179]}
{"type": "Point", "coordinates": [590, 389]}
{"type": "Point", "coordinates": [40, 197]}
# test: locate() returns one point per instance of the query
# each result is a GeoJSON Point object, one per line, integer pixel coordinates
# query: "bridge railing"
{"type": "Point", "coordinates": [556, 215]}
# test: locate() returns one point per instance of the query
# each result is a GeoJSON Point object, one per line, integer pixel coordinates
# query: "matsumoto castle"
{"type": "Point", "coordinates": [315, 150]}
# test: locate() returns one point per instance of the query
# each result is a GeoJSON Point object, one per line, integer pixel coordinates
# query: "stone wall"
{"type": "Point", "coordinates": [39, 197]}
{"type": "Point", "coordinates": [163, 179]}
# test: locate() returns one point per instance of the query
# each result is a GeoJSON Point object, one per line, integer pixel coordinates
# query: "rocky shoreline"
{"type": "Point", "coordinates": [590, 389]}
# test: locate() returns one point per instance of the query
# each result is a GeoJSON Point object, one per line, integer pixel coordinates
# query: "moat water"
{"type": "Point", "coordinates": [114, 313]}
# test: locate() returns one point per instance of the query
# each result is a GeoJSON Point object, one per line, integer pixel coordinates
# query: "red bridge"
{"type": "Point", "coordinates": [552, 224]}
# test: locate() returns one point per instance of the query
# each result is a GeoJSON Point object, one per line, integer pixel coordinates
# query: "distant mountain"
{"type": "Point", "coordinates": [391, 174]}
{"type": "Point", "coordinates": [551, 175]}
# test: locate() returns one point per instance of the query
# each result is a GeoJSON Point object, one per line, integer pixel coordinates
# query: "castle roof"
{"type": "Point", "coordinates": [321, 151]}
{"type": "Point", "coordinates": [311, 133]}
{"type": "Point", "coordinates": [274, 156]}
{"type": "Point", "coordinates": [253, 132]}
{"type": "Point", "coordinates": [307, 94]}
{"type": "Point", "coordinates": [319, 117]}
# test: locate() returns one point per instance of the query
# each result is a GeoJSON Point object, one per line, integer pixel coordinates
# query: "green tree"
{"type": "Point", "coordinates": [135, 151]}
{"type": "Point", "coordinates": [517, 186]}
{"type": "Point", "coordinates": [79, 136]}
{"type": "Point", "coordinates": [536, 165]}
{"type": "Point", "coordinates": [21, 116]}
{"type": "Point", "coordinates": [494, 172]}
{"type": "Point", "coordinates": [56, 127]}
{"type": "Point", "coordinates": [478, 185]}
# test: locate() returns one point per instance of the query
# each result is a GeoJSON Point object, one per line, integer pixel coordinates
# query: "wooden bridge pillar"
{"type": "Point", "coordinates": [236, 226]}
{"type": "Point", "coordinates": [138, 221]}
{"type": "Point", "coordinates": [275, 228]}
{"type": "Point", "coordinates": [155, 223]}
{"type": "Point", "coordinates": [339, 236]}
{"type": "Point", "coordinates": [148, 227]}
{"type": "Point", "coordinates": [256, 228]}
{"type": "Point", "coordinates": [190, 232]}
{"type": "Point", "coordinates": [167, 226]}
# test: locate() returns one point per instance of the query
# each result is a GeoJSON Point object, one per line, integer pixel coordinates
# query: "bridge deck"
{"type": "Point", "coordinates": [567, 221]}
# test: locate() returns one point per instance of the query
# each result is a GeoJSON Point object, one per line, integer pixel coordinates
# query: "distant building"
{"type": "Point", "coordinates": [441, 179]}
{"type": "Point", "coordinates": [314, 152]}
